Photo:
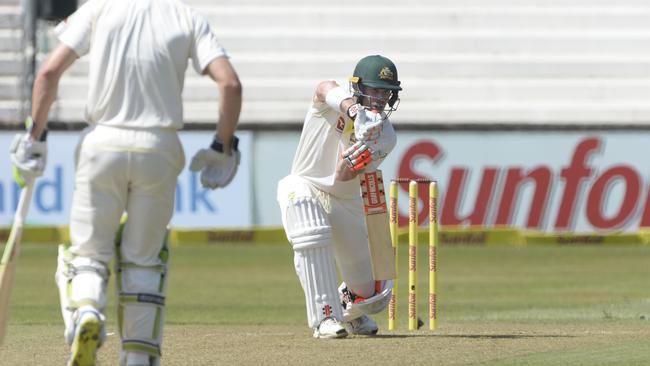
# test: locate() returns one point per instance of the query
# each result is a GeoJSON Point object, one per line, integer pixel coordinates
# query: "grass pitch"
{"type": "Point", "coordinates": [242, 304]}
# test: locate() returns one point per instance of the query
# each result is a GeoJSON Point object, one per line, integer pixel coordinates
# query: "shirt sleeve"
{"type": "Point", "coordinates": [206, 47]}
{"type": "Point", "coordinates": [75, 31]}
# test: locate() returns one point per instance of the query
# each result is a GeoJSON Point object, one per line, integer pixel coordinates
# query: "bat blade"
{"type": "Point", "coordinates": [379, 240]}
{"type": "Point", "coordinates": [381, 250]}
{"type": "Point", "coordinates": [7, 274]}
{"type": "Point", "coordinates": [10, 257]}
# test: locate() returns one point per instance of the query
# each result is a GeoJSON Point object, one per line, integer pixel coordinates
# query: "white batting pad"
{"type": "Point", "coordinates": [63, 278]}
{"type": "Point", "coordinates": [141, 292]}
{"type": "Point", "coordinates": [310, 234]}
{"type": "Point", "coordinates": [82, 283]}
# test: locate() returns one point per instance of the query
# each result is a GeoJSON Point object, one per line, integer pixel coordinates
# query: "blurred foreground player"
{"type": "Point", "coordinates": [128, 159]}
{"type": "Point", "coordinates": [346, 132]}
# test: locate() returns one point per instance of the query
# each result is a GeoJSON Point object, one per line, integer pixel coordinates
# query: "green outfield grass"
{"type": "Point", "coordinates": [498, 305]}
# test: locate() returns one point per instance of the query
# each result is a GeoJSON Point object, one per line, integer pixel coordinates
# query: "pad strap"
{"type": "Point", "coordinates": [142, 298]}
{"type": "Point", "coordinates": [142, 345]}
{"type": "Point", "coordinates": [71, 270]}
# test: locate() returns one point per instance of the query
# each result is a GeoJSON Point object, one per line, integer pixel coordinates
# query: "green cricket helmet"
{"type": "Point", "coordinates": [377, 72]}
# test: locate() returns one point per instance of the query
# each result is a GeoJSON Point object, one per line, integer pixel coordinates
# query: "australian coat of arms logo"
{"type": "Point", "coordinates": [386, 74]}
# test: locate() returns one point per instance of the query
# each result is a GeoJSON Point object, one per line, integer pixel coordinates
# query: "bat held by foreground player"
{"type": "Point", "coordinates": [10, 255]}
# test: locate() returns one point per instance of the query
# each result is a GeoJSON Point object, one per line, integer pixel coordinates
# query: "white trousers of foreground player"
{"type": "Point", "coordinates": [118, 170]}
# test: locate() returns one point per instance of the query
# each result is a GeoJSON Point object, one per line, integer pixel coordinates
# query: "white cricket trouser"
{"type": "Point", "coordinates": [348, 231]}
{"type": "Point", "coordinates": [119, 170]}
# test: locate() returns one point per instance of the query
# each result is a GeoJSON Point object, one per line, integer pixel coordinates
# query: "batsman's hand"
{"type": "Point", "coordinates": [28, 157]}
{"type": "Point", "coordinates": [382, 145]}
{"type": "Point", "coordinates": [368, 125]}
{"type": "Point", "coordinates": [217, 167]}
{"type": "Point", "coordinates": [357, 156]}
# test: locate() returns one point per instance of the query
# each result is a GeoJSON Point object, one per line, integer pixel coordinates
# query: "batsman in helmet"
{"type": "Point", "coordinates": [346, 132]}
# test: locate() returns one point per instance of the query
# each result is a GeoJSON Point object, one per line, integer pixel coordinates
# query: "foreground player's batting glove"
{"type": "Point", "coordinates": [28, 157]}
{"type": "Point", "coordinates": [217, 167]}
{"type": "Point", "coordinates": [357, 156]}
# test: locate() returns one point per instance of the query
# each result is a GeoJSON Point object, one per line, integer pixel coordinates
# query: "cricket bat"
{"type": "Point", "coordinates": [10, 256]}
{"type": "Point", "coordinates": [379, 241]}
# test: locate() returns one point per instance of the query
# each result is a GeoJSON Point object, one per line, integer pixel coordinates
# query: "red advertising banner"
{"type": "Point", "coordinates": [542, 181]}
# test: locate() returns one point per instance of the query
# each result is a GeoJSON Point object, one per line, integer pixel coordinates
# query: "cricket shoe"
{"type": "Point", "coordinates": [330, 328]}
{"type": "Point", "coordinates": [87, 339]}
{"type": "Point", "coordinates": [363, 325]}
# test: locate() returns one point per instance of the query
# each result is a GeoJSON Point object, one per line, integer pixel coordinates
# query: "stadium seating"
{"type": "Point", "coordinates": [584, 62]}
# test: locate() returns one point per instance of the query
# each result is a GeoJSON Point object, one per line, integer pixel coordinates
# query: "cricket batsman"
{"type": "Point", "coordinates": [128, 160]}
{"type": "Point", "coordinates": [346, 132]}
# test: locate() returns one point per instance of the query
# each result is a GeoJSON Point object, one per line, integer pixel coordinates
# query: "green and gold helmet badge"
{"type": "Point", "coordinates": [386, 73]}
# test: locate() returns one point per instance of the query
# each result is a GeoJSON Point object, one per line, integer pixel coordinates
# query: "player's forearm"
{"type": "Point", "coordinates": [43, 95]}
{"type": "Point", "coordinates": [46, 85]}
{"type": "Point", "coordinates": [229, 109]}
{"type": "Point", "coordinates": [334, 95]}
{"type": "Point", "coordinates": [230, 98]}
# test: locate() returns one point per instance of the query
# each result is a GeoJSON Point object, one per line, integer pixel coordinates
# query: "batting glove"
{"type": "Point", "coordinates": [217, 167]}
{"type": "Point", "coordinates": [28, 157]}
{"type": "Point", "coordinates": [383, 145]}
{"type": "Point", "coordinates": [357, 156]}
{"type": "Point", "coordinates": [368, 125]}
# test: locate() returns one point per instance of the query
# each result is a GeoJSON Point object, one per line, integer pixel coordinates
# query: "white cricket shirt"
{"type": "Point", "coordinates": [325, 135]}
{"type": "Point", "coordinates": [139, 50]}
